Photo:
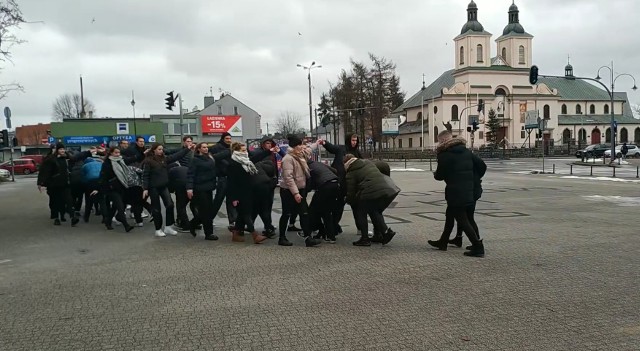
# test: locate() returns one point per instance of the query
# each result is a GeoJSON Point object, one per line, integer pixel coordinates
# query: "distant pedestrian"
{"type": "Point", "coordinates": [624, 150]}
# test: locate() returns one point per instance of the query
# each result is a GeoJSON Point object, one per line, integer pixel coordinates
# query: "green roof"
{"type": "Point", "coordinates": [595, 119]}
{"type": "Point", "coordinates": [576, 89]}
{"type": "Point", "coordinates": [434, 89]}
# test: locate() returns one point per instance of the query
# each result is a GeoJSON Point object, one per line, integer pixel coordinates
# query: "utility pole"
{"type": "Point", "coordinates": [82, 112]}
{"type": "Point", "coordinates": [181, 117]}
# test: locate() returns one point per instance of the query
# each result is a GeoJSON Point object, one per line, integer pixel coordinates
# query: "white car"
{"type": "Point", "coordinates": [4, 173]}
{"type": "Point", "coordinates": [633, 151]}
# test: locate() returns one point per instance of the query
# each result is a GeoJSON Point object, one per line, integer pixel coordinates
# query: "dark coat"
{"type": "Point", "coordinates": [479, 169]}
{"type": "Point", "coordinates": [239, 183]}
{"type": "Point", "coordinates": [455, 167]}
{"type": "Point", "coordinates": [320, 174]}
{"type": "Point", "coordinates": [108, 181]}
{"type": "Point", "coordinates": [383, 167]}
{"type": "Point", "coordinates": [185, 160]}
{"type": "Point", "coordinates": [55, 170]}
{"type": "Point", "coordinates": [267, 177]}
{"type": "Point", "coordinates": [339, 151]}
{"type": "Point", "coordinates": [178, 177]}
{"type": "Point", "coordinates": [155, 173]}
{"type": "Point", "coordinates": [222, 163]}
{"type": "Point", "coordinates": [134, 152]}
{"type": "Point", "coordinates": [202, 173]}
{"type": "Point", "coordinates": [366, 183]}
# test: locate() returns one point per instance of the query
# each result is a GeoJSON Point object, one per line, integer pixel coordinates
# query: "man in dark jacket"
{"type": "Point", "coordinates": [324, 180]}
{"type": "Point", "coordinates": [455, 168]}
{"type": "Point", "coordinates": [178, 184]}
{"type": "Point", "coordinates": [339, 152]}
{"type": "Point", "coordinates": [262, 185]}
{"type": "Point", "coordinates": [369, 192]}
{"type": "Point", "coordinates": [224, 144]}
{"type": "Point", "coordinates": [134, 195]}
{"type": "Point", "coordinates": [479, 169]}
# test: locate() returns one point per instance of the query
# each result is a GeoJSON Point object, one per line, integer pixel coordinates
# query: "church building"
{"type": "Point", "coordinates": [575, 111]}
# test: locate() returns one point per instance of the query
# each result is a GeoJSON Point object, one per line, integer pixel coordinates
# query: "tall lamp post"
{"type": "Point", "coordinates": [133, 106]}
{"type": "Point", "coordinates": [309, 68]}
{"type": "Point", "coordinates": [613, 78]}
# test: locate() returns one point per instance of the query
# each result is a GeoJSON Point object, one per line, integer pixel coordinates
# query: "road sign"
{"type": "Point", "coordinates": [615, 124]}
{"type": "Point", "coordinates": [7, 112]}
{"type": "Point", "coordinates": [390, 126]}
{"type": "Point", "coordinates": [51, 140]}
{"type": "Point", "coordinates": [531, 120]}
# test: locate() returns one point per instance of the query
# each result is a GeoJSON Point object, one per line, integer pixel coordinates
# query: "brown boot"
{"type": "Point", "coordinates": [257, 238]}
{"type": "Point", "coordinates": [236, 237]}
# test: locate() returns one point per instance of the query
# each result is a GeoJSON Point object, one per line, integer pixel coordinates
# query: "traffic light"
{"type": "Point", "coordinates": [15, 141]}
{"type": "Point", "coordinates": [481, 105]}
{"type": "Point", "coordinates": [4, 142]}
{"type": "Point", "coordinates": [475, 125]}
{"type": "Point", "coordinates": [170, 101]}
{"type": "Point", "coordinates": [533, 75]}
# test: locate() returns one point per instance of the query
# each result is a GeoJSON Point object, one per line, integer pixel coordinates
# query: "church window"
{"type": "Point", "coordinates": [504, 54]}
{"type": "Point", "coordinates": [454, 112]}
{"type": "Point", "coordinates": [546, 112]}
{"type": "Point", "coordinates": [606, 109]}
{"type": "Point", "coordinates": [462, 55]}
{"type": "Point", "coordinates": [480, 53]}
{"type": "Point", "coordinates": [592, 109]}
{"type": "Point", "coordinates": [564, 109]}
{"type": "Point", "coordinates": [578, 109]}
{"type": "Point", "coordinates": [521, 55]}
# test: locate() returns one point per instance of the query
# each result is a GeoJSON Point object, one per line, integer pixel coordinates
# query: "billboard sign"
{"type": "Point", "coordinates": [390, 126]}
{"type": "Point", "coordinates": [105, 139]}
{"type": "Point", "coordinates": [531, 120]}
{"type": "Point", "coordinates": [222, 124]}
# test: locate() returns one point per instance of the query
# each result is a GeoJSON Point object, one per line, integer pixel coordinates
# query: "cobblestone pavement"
{"type": "Point", "coordinates": [561, 273]}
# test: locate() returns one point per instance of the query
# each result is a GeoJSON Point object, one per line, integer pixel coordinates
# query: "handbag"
{"type": "Point", "coordinates": [134, 177]}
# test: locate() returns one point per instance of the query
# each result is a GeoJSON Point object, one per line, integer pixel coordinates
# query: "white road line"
{"type": "Point", "coordinates": [4, 261]}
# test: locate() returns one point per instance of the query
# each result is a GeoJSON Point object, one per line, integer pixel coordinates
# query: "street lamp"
{"type": "Point", "coordinates": [133, 106]}
{"type": "Point", "coordinates": [309, 68]}
{"type": "Point", "coordinates": [613, 79]}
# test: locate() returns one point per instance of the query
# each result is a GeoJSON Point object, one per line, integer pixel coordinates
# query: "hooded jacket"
{"type": "Point", "coordinates": [320, 174]}
{"type": "Point", "coordinates": [222, 163]}
{"type": "Point", "coordinates": [339, 151]}
{"type": "Point", "coordinates": [267, 176]}
{"type": "Point", "coordinates": [366, 183]}
{"type": "Point", "coordinates": [55, 171]}
{"type": "Point", "coordinates": [155, 173]}
{"type": "Point", "coordinates": [91, 170]}
{"type": "Point", "coordinates": [455, 168]}
{"type": "Point", "coordinates": [202, 173]}
{"type": "Point", "coordinates": [262, 154]}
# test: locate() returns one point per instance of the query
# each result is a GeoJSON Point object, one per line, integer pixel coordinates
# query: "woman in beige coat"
{"type": "Point", "coordinates": [295, 172]}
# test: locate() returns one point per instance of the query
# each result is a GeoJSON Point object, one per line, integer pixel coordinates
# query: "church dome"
{"type": "Point", "coordinates": [513, 27]}
{"type": "Point", "coordinates": [472, 19]}
{"type": "Point", "coordinates": [514, 21]}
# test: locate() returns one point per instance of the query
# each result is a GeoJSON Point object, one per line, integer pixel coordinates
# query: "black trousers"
{"type": "Point", "coordinates": [262, 206]}
{"type": "Point", "coordinates": [202, 208]}
{"type": "Point", "coordinates": [460, 214]}
{"type": "Point", "coordinates": [244, 219]}
{"type": "Point", "coordinates": [77, 193]}
{"type": "Point", "coordinates": [289, 207]}
{"type": "Point", "coordinates": [91, 201]}
{"type": "Point", "coordinates": [449, 221]}
{"type": "Point", "coordinates": [62, 201]}
{"type": "Point", "coordinates": [116, 209]}
{"type": "Point", "coordinates": [221, 194]}
{"type": "Point", "coordinates": [133, 197]}
{"type": "Point", "coordinates": [156, 207]}
{"type": "Point", "coordinates": [182, 200]}
{"type": "Point", "coordinates": [323, 205]}
{"type": "Point", "coordinates": [374, 209]}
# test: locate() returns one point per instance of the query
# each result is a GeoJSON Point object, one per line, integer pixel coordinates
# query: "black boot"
{"type": "Point", "coordinates": [269, 233]}
{"type": "Point", "coordinates": [438, 244]}
{"type": "Point", "coordinates": [211, 237]}
{"type": "Point", "coordinates": [74, 221]}
{"type": "Point", "coordinates": [363, 241]}
{"type": "Point", "coordinates": [284, 242]}
{"type": "Point", "coordinates": [387, 236]}
{"type": "Point", "coordinates": [377, 238]}
{"type": "Point", "coordinates": [477, 250]}
{"type": "Point", "coordinates": [192, 228]}
{"type": "Point", "coordinates": [310, 242]}
{"type": "Point", "coordinates": [457, 241]}
{"type": "Point", "coordinates": [127, 227]}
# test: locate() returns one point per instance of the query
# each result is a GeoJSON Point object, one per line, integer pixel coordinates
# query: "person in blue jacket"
{"type": "Point", "coordinates": [90, 179]}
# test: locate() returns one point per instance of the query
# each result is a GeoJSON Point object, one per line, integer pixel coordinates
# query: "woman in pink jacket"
{"type": "Point", "coordinates": [295, 172]}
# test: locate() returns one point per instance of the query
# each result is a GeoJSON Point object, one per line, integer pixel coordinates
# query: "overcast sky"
{"type": "Point", "coordinates": [251, 48]}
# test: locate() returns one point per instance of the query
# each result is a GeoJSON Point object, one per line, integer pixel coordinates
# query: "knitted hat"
{"type": "Point", "coordinates": [59, 146]}
{"type": "Point", "coordinates": [294, 140]}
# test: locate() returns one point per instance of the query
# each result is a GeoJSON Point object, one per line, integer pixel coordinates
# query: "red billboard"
{"type": "Point", "coordinates": [222, 124]}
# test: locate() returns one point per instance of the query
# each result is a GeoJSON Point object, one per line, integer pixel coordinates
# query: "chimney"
{"type": "Point", "coordinates": [209, 100]}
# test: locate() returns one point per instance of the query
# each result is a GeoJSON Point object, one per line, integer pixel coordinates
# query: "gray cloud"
{"type": "Point", "coordinates": [251, 48]}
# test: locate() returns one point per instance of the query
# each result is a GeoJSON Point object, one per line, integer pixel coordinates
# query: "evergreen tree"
{"type": "Point", "coordinates": [493, 127]}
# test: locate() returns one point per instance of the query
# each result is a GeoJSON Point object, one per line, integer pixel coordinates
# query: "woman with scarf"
{"type": "Point", "coordinates": [155, 182]}
{"type": "Point", "coordinates": [239, 174]}
{"type": "Point", "coordinates": [114, 183]}
{"type": "Point", "coordinates": [201, 182]}
{"type": "Point", "coordinates": [295, 172]}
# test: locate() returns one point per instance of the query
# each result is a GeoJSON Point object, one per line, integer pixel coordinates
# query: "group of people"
{"type": "Point", "coordinates": [137, 178]}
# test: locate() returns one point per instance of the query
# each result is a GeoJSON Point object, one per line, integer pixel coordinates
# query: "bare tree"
{"type": "Point", "coordinates": [289, 123]}
{"type": "Point", "coordinates": [70, 106]}
{"type": "Point", "coordinates": [10, 19]}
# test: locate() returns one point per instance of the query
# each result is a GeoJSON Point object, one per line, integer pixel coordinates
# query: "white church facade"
{"type": "Point", "coordinates": [575, 111]}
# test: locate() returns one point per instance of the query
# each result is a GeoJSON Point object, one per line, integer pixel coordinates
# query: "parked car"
{"type": "Point", "coordinates": [633, 151]}
{"type": "Point", "coordinates": [38, 158]}
{"type": "Point", "coordinates": [595, 150]}
{"type": "Point", "coordinates": [4, 173]}
{"type": "Point", "coordinates": [21, 166]}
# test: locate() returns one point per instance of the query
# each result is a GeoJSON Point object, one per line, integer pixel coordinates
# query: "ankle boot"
{"type": "Point", "coordinates": [283, 241]}
{"type": "Point", "coordinates": [457, 241]}
{"type": "Point", "coordinates": [438, 244]}
{"type": "Point", "coordinates": [477, 250]}
{"type": "Point", "coordinates": [192, 228]}
{"type": "Point", "coordinates": [127, 227]}
{"type": "Point", "coordinates": [257, 238]}
{"type": "Point", "coordinates": [387, 236]}
{"type": "Point", "coordinates": [236, 237]}
{"type": "Point", "coordinates": [363, 241]}
{"type": "Point", "coordinates": [311, 242]}
{"type": "Point", "coordinates": [377, 238]}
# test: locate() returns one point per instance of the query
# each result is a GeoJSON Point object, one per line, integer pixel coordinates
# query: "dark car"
{"type": "Point", "coordinates": [595, 150]}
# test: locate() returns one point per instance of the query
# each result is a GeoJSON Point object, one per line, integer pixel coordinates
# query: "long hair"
{"type": "Point", "coordinates": [198, 146]}
{"type": "Point", "coordinates": [152, 157]}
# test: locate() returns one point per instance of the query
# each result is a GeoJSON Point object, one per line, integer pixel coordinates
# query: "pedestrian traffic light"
{"type": "Point", "coordinates": [481, 105]}
{"type": "Point", "coordinates": [4, 142]}
{"type": "Point", "coordinates": [533, 75]}
{"type": "Point", "coordinates": [170, 101]}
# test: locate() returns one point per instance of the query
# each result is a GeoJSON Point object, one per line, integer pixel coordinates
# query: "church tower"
{"type": "Point", "coordinates": [514, 46]}
{"type": "Point", "coordinates": [472, 45]}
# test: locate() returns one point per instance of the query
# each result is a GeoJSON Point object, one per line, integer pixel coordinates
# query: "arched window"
{"type": "Point", "coordinates": [582, 135]}
{"type": "Point", "coordinates": [607, 135]}
{"type": "Point", "coordinates": [521, 55]}
{"type": "Point", "coordinates": [546, 112]}
{"type": "Point", "coordinates": [578, 109]}
{"type": "Point", "coordinates": [435, 109]}
{"type": "Point", "coordinates": [479, 53]}
{"type": "Point", "coordinates": [606, 109]}
{"type": "Point", "coordinates": [592, 109]}
{"type": "Point", "coordinates": [636, 135]}
{"type": "Point", "coordinates": [435, 134]}
{"type": "Point", "coordinates": [564, 109]}
{"type": "Point", "coordinates": [419, 116]}
{"type": "Point", "coordinates": [624, 135]}
{"type": "Point", "coordinates": [504, 54]}
{"type": "Point", "coordinates": [454, 113]}
{"type": "Point", "coordinates": [462, 55]}
{"type": "Point", "coordinates": [566, 136]}
{"type": "Point", "coordinates": [500, 92]}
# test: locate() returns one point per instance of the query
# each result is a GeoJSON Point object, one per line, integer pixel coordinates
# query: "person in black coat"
{"type": "Point", "coordinates": [201, 182]}
{"type": "Point", "coordinates": [267, 153]}
{"type": "Point", "coordinates": [326, 185]}
{"type": "Point", "coordinates": [455, 168]}
{"type": "Point", "coordinates": [136, 151]}
{"type": "Point", "coordinates": [177, 183]}
{"type": "Point", "coordinates": [240, 172]}
{"type": "Point", "coordinates": [155, 182]}
{"type": "Point", "coordinates": [262, 185]}
{"type": "Point", "coordinates": [55, 176]}
{"type": "Point", "coordinates": [224, 144]}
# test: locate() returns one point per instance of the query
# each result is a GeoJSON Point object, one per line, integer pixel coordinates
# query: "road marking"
{"type": "Point", "coordinates": [4, 261]}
